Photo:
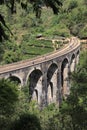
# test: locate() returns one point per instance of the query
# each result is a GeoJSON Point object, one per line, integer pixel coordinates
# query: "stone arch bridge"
{"type": "Point", "coordinates": [46, 76]}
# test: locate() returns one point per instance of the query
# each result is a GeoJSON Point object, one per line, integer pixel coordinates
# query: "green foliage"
{"type": "Point", "coordinates": [22, 105]}
{"type": "Point", "coordinates": [83, 32]}
{"type": "Point", "coordinates": [1, 51]}
{"type": "Point", "coordinates": [8, 96]}
{"type": "Point", "coordinates": [72, 15]}
{"type": "Point", "coordinates": [26, 122]}
{"type": "Point", "coordinates": [10, 57]}
{"type": "Point", "coordinates": [16, 111]}
{"type": "Point", "coordinates": [58, 30]}
{"type": "Point", "coordinates": [83, 61]}
{"type": "Point", "coordinates": [36, 5]}
{"type": "Point", "coordinates": [46, 116]}
{"type": "Point", "coordinates": [11, 53]}
{"type": "Point", "coordinates": [73, 4]}
{"type": "Point", "coordinates": [8, 99]}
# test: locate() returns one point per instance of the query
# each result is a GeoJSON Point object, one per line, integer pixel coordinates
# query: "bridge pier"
{"type": "Point", "coordinates": [59, 91]}
{"type": "Point", "coordinates": [44, 89]}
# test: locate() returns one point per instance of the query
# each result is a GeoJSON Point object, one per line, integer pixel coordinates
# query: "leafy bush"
{"type": "Point", "coordinates": [75, 29]}
{"type": "Point", "coordinates": [61, 30]}
{"type": "Point", "coordinates": [83, 33]}
{"type": "Point", "coordinates": [8, 96]}
{"type": "Point", "coordinates": [26, 122]}
{"type": "Point", "coordinates": [73, 4]}
{"type": "Point", "coordinates": [10, 57]}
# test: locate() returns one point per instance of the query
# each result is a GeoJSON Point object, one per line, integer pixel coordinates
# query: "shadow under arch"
{"type": "Point", "coordinates": [35, 85]}
{"type": "Point", "coordinates": [72, 63]}
{"type": "Point", "coordinates": [65, 77]}
{"type": "Point", "coordinates": [52, 83]}
{"type": "Point", "coordinates": [15, 79]}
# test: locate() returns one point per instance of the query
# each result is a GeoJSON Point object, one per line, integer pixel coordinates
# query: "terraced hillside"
{"type": "Point", "coordinates": [25, 27]}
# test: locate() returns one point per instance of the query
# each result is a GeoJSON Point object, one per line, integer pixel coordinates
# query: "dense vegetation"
{"type": "Point", "coordinates": [25, 27]}
{"type": "Point", "coordinates": [21, 30]}
{"type": "Point", "coordinates": [17, 113]}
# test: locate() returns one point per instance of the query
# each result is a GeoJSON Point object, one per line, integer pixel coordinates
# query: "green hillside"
{"type": "Point", "coordinates": [71, 20]}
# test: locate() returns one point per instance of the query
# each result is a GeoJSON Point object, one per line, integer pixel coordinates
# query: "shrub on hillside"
{"type": "Point", "coordinates": [59, 30]}
{"type": "Point", "coordinates": [75, 29]}
{"type": "Point", "coordinates": [10, 57]}
{"type": "Point", "coordinates": [83, 33]}
{"type": "Point", "coordinates": [26, 122]}
{"type": "Point", "coordinates": [73, 4]}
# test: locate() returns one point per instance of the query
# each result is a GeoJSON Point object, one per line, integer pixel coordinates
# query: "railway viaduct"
{"type": "Point", "coordinates": [47, 77]}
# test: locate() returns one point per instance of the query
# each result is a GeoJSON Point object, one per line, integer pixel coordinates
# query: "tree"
{"type": "Point", "coordinates": [26, 122]}
{"type": "Point", "coordinates": [37, 6]}
{"type": "Point", "coordinates": [8, 98]}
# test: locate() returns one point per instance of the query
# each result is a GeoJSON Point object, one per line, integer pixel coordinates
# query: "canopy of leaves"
{"type": "Point", "coordinates": [8, 96]}
{"type": "Point", "coordinates": [26, 122]}
{"type": "Point", "coordinates": [37, 6]}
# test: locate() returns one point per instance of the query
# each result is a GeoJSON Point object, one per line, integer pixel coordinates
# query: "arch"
{"type": "Point", "coordinates": [52, 63]}
{"type": "Point", "coordinates": [52, 82]}
{"type": "Point", "coordinates": [72, 63]}
{"type": "Point", "coordinates": [35, 85]}
{"type": "Point", "coordinates": [30, 71]}
{"type": "Point", "coordinates": [51, 70]}
{"type": "Point", "coordinates": [15, 79]}
{"type": "Point", "coordinates": [64, 77]}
